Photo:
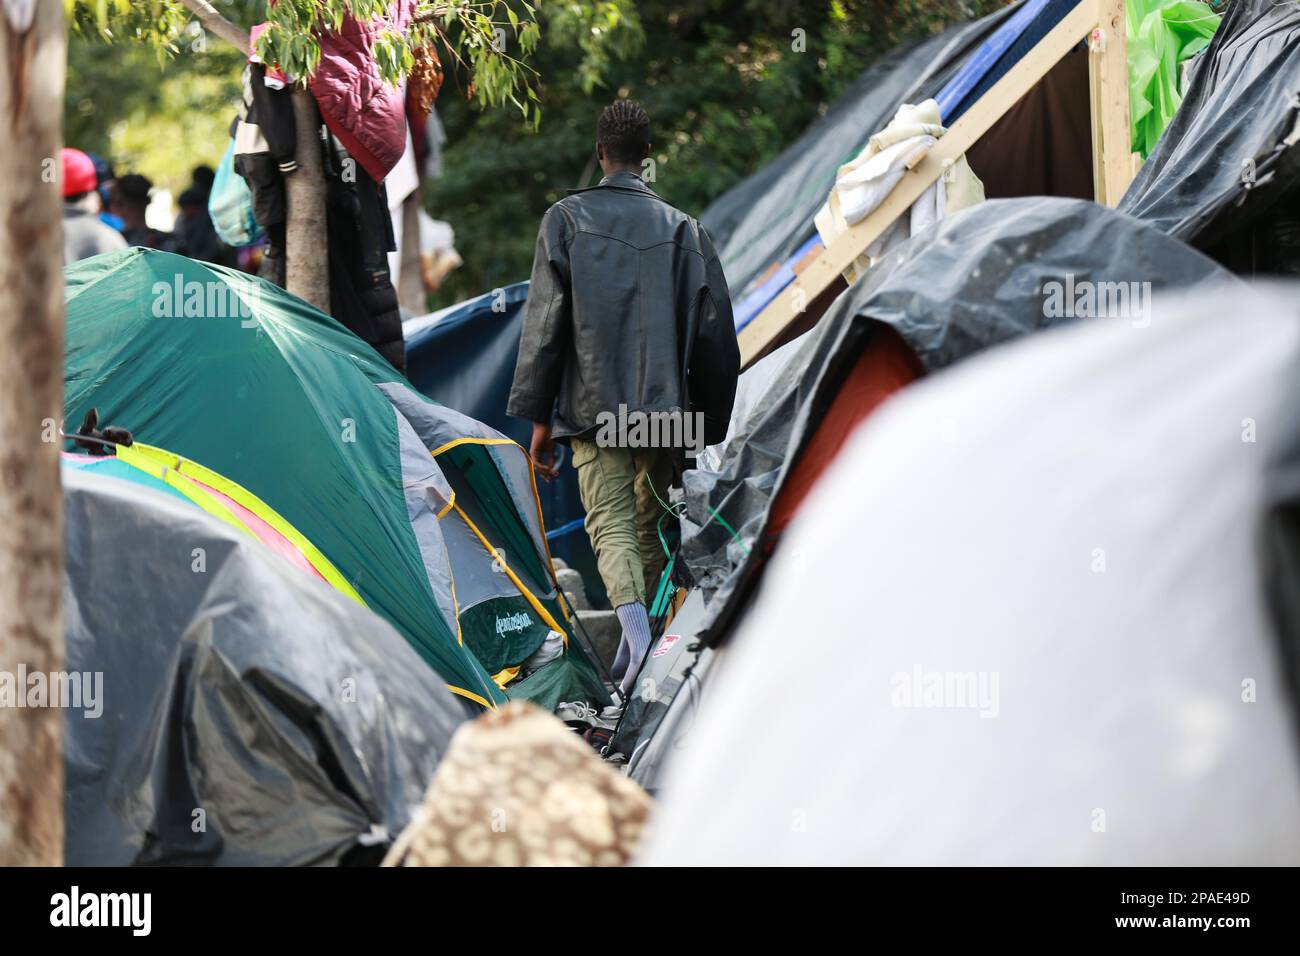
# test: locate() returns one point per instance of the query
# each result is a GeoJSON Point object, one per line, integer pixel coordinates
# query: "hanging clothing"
{"type": "Point", "coordinates": [362, 295]}
{"type": "Point", "coordinates": [266, 141]}
{"type": "Point", "coordinates": [862, 184]}
{"type": "Point", "coordinates": [365, 111]}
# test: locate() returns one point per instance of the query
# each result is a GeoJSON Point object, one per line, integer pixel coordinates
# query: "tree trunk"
{"type": "Point", "coordinates": [32, 62]}
{"type": "Point", "coordinates": [306, 240]}
{"type": "Point", "coordinates": [410, 290]}
{"type": "Point", "coordinates": [306, 249]}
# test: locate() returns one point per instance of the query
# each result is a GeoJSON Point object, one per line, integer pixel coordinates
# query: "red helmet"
{"type": "Point", "coordinates": [78, 173]}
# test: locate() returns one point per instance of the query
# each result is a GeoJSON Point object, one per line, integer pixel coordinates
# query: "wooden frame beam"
{"type": "Point", "coordinates": [1112, 157]}
{"type": "Point", "coordinates": [764, 331]}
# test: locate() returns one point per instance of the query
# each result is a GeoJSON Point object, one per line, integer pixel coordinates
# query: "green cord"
{"type": "Point", "coordinates": [660, 603]}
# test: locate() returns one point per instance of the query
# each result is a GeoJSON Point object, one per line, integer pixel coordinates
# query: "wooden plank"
{"type": "Point", "coordinates": [1112, 97]}
{"type": "Point", "coordinates": [1095, 111]}
{"type": "Point", "coordinates": [757, 337]}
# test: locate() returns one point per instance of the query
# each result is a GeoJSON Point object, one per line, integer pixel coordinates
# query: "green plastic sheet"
{"type": "Point", "coordinates": [1162, 34]}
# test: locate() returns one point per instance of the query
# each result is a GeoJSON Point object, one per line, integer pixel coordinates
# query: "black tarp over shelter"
{"type": "Point", "coordinates": [1225, 174]}
{"type": "Point", "coordinates": [251, 716]}
{"type": "Point", "coordinates": [979, 278]}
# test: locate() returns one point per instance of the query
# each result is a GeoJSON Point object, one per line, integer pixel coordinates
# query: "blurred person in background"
{"type": "Point", "coordinates": [104, 179]}
{"type": "Point", "coordinates": [201, 178]}
{"type": "Point", "coordinates": [129, 202]}
{"type": "Point", "coordinates": [84, 235]}
{"type": "Point", "coordinates": [196, 233]}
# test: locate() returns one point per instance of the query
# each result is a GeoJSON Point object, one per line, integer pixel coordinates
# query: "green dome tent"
{"type": "Point", "coordinates": [431, 516]}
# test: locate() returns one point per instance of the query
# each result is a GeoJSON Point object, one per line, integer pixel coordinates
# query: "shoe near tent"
{"type": "Point", "coordinates": [1053, 621]}
{"type": "Point", "coordinates": [507, 595]}
{"type": "Point", "coordinates": [983, 277]}
{"type": "Point", "coordinates": [464, 357]}
{"type": "Point", "coordinates": [1225, 175]}
{"type": "Point", "coordinates": [237, 692]}
{"type": "Point", "coordinates": [237, 374]}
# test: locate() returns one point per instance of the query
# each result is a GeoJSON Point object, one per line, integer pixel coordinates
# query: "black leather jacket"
{"type": "Point", "coordinates": [627, 306]}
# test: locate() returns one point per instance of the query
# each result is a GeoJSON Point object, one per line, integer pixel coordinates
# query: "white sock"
{"type": "Point", "coordinates": [636, 634]}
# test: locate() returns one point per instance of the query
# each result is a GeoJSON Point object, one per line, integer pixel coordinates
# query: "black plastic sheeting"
{"type": "Point", "coordinates": [974, 280]}
{"type": "Point", "coordinates": [464, 357]}
{"type": "Point", "coordinates": [251, 716]}
{"type": "Point", "coordinates": [765, 218]}
{"type": "Point", "coordinates": [1223, 161]}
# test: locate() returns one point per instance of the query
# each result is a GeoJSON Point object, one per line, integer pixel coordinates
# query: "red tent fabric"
{"type": "Point", "coordinates": [883, 367]}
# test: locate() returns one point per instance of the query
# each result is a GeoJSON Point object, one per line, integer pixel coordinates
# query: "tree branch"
{"type": "Point", "coordinates": [216, 23]}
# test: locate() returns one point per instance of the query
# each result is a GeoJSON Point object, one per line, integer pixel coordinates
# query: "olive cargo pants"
{"type": "Point", "coordinates": [618, 488]}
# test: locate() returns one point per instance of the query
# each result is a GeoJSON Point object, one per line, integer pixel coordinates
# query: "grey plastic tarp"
{"type": "Point", "coordinates": [763, 219]}
{"type": "Point", "coordinates": [1223, 160]}
{"type": "Point", "coordinates": [250, 714]}
{"type": "Point", "coordinates": [974, 280]}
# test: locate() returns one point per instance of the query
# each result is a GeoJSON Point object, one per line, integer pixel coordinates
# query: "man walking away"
{"type": "Point", "coordinates": [628, 312]}
{"type": "Point", "coordinates": [84, 235]}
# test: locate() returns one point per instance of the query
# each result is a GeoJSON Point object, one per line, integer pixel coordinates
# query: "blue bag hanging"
{"type": "Point", "coordinates": [230, 204]}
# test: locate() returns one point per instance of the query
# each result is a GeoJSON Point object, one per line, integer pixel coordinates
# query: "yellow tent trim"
{"type": "Point", "coordinates": [455, 605]}
{"type": "Point", "coordinates": [506, 676]}
{"type": "Point", "coordinates": [159, 463]}
{"type": "Point", "coordinates": [537, 500]}
{"type": "Point", "coordinates": [474, 441]}
{"type": "Point", "coordinates": [450, 501]}
{"type": "Point", "coordinates": [523, 588]}
{"type": "Point", "coordinates": [550, 561]}
{"type": "Point", "coordinates": [470, 695]}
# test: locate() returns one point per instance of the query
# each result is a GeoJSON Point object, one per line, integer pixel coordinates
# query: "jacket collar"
{"type": "Point", "coordinates": [622, 179]}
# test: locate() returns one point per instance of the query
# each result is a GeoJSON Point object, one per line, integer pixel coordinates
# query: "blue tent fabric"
{"type": "Point", "coordinates": [1042, 23]}
{"type": "Point", "coordinates": [463, 357]}
{"type": "Point", "coordinates": [978, 66]}
{"type": "Point", "coordinates": [961, 76]}
{"type": "Point", "coordinates": [754, 302]}
{"type": "Point", "coordinates": [109, 466]}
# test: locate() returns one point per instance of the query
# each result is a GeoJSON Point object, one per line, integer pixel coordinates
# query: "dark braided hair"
{"type": "Point", "coordinates": [624, 131]}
